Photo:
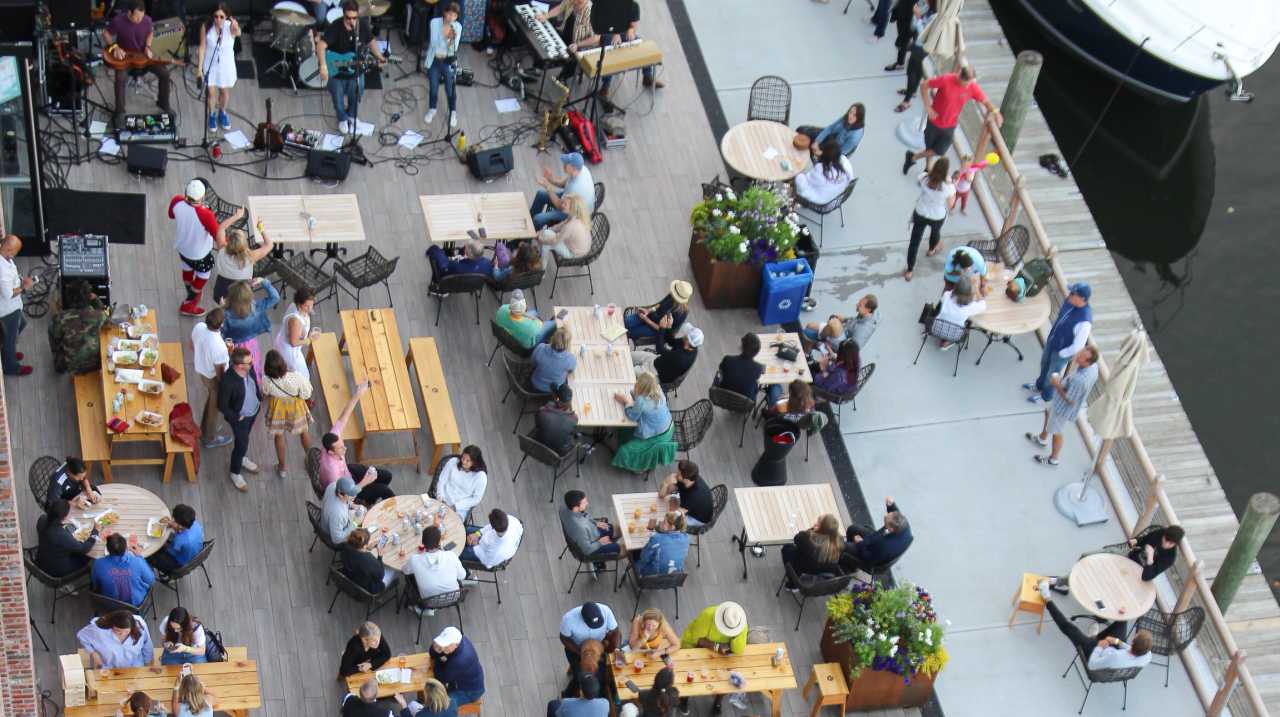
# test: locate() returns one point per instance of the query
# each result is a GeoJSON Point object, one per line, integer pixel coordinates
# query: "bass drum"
{"type": "Point", "coordinates": [309, 73]}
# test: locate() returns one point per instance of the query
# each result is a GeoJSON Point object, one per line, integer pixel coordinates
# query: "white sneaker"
{"type": "Point", "coordinates": [240, 484]}
{"type": "Point", "coordinates": [1043, 585]}
{"type": "Point", "coordinates": [453, 120]}
{"type": "Point", "coordinates": [249, 465]}
{"type": "Point", "coordinates": [280, 471]}
{"type": "Point", "coordinates": [431, 115]}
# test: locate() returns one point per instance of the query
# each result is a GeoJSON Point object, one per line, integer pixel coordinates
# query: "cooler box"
{"type": "Point", "coordinates": [782, 290]}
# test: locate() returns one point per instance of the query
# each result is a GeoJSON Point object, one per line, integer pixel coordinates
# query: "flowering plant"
{"type": "Point", "coordinates": [755, 226]}
{"type": "Point", "coordinates": [890, 629]}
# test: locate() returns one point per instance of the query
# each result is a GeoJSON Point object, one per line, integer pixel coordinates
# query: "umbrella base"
{"type": "Point", "coordinates": [910, 132]}
{"type": "Point", "coordinates": [1090, 511]}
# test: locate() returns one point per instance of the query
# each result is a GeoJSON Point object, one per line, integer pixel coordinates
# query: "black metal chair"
{"type": "Point", "coordinates": [300, 272]}
{"type": "Point", "coordinates": [313, 515]}
{"type": "Point", "coordinates": [268, 269]}
{"type": "Point", "coordinates": [811, 586]}
{"type": "Point", "coordinates": [599, 237]}
{"type": "Point", "coordinates": [1009, 248]}
{"type": "Point", "coordinates": [875, 571]}
{"type": "Point", "coordinates": [1089, 678]}
{"type": "Point", "coordinates": [435, 473]}
{"type": "Point", "coordinates": [40, 477]}
{"type": "Point", "coordinates": [504, 338]}
{"type": "Point", "coordinates": [719, 499]}
{"type": "Point", "coordinates": [1124, 548]}
{"type": "Point", "coordinates": [368, 269]}
{"type": "Point", "coordinates": [822, 210]}
{"type": "Point", "coordinates": [36, 630]}
{"type": "Point", "coordinates": [103, 604]}
{"type": "Point", "coordinates": [673, 387]}
{"type": "Point", "coordinates": [519, 372]}
{"type": "Point", "coordinates": [770, 99]}
{"type": "Point", "coordinates": [599, 197]}
{"type": "Point", "coordinates": [692, 424]}
{"type": "Point", "coordinates": [372, 601]}
{"type": "Point", "coordinates": [475, 568]}
{"type": "Point", "coordinates": [586, 565]}
{"type": "Point", "coordinates": [945, 331]}
{"type": "Point", "coordinates": [313, 471]}
{"type": "Point", "coordinates": [839, 399]}
{"type": "Point", "coordinates": [173, 580]}
{"type": "Point", "coordinates": [653, 583]}
{"type": "Point", "coordinates": [62, 587]}
{"type": "Point", "coordinates": [458, 284]}
{"type": "Point", "coordinates": [733, 402]}
{"type": "Point", "coordinates": [410, 597]}
{"type": "Point", "coordinates": [222, 209]}
{"type": "Point", "coordinates": [813, 422]}
{"type": "Point", "coordinates": [630, 311]}
{"type": "Point", "coordinates": [559, 464]}
{"type": "Point", "coordinates": [527, 281]}
{"type": "Point", "coordinates": [1171, 633]}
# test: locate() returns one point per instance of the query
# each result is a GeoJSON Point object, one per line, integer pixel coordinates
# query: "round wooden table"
{"type": "Point", "coordinates": [135, 506]}
{"type": "Point", "coordinates": [1117, 582]}
{"type": "Point", "coordinates": [745, 145]}
{"type": "Point", "coordinates": [391, 514]}
{"type": "Point", "coordinates": [1005, 317]}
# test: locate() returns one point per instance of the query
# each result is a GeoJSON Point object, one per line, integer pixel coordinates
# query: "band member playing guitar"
{"type": "Point", "coordinates": [341, 46]}
{"type": "Point", "coordinates": [130, 33]}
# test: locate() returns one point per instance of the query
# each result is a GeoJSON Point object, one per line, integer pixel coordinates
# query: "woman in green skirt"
{"type": "Point", "coordinates": [649, 444]}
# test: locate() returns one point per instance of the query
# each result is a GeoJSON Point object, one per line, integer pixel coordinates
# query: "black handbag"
{"type": "Point", "coordinates": [928, 312]}
{"type": "Point", "coordinates": [214, 650]}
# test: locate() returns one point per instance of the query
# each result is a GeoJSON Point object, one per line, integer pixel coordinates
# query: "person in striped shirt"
{"type": "Point", "coordinates": [1070, 393]}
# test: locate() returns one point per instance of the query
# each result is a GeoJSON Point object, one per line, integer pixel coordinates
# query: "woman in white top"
{"type": "Point", "coordinates": [959, 305]}
{"type": "Point", "coordinates": [571, 237]}
{"type": "Point", "coordinates": [937, 196]}
{"type": "Point", "coordinates": [295, 332]}
{"type": "Point", "coordinates": [827, 178]}
{"type": "Point", "coordinates": [217, 63]}
{"type": "Point", "coordinates": [235, 261]}
{"type": "Point", "coordinates": [462, 481]}
{"type": "Point", "coordinates": [441, 61]}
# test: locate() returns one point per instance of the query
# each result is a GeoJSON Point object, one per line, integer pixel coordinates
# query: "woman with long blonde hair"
{"type": "Point", "coordinates": [235, 261]}
{"type": "Point", "coordinates": [571, 237]}
{"type": "Point", "coordinates": [438, 702]}
{"type": "Point", "coordinates": [246, 318]}
{"type": "Point", "coordinates": [815, 551]}
{"type": "Point", "coordinates": [191, 699]}
{"type": "Point", "coordinates": [650, 631]}
{"type": "Point", "coordinates": [649, 444]}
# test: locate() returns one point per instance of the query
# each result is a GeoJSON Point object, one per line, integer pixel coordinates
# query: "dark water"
{"type": "Point", "coordinates": [1185, 196]}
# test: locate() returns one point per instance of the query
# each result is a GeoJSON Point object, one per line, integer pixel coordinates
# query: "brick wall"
{"type": "Point", "coordinates": [17, 671]}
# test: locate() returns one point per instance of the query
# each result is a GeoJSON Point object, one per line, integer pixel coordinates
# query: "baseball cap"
{"type": "Point", "coordinates": [573, 159]}
{"type": "Point", "coordinates": [346, 486]}
{"type": "Point", "coordinates": [195, 189]}
{"type": "Point", "coordinates": [1081, 289]}
{"type": "Point", "coordinates": [517, 303]}
{"type": "Point", "coordinates": [691, 332]}
{"type": "Point", "coordinates": [448, 636]}
{"type": "Point", "coordinates": [592, 616]}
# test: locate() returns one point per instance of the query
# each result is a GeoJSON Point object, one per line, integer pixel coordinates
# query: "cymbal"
{"type": "Point", "coordinates": [292, 17]}
{"type": "Point", "coordinates": [376, 8]}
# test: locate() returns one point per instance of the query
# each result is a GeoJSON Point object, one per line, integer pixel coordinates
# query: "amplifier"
{"type": "Point", "coordinates": [489, 164]}
{"type": "Point", "coordinates": [147, 161]}
{"type": "Point", "coordinates": [153, 128]}
{"type": "Point", "coordinates": [332, 166]}
{"type": "Point", "coordinates": [83, 257]}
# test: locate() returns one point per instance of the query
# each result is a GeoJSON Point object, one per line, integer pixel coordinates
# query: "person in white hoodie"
{"type": "Point", "coordinates": [462, 481]}
{"type": "Point", "coordinates": [434, 570]}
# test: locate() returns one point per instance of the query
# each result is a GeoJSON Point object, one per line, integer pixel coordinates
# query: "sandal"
{"type": "Point", "coordinates": [1046, 460]}
{"type": "Point", "coordinates": [902, 107]}
{"type": "Point", "coordinates": [1035, 438]}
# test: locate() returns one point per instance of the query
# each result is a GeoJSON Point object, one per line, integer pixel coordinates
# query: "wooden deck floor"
{"type": "Point", "coordinates": [269, 592]}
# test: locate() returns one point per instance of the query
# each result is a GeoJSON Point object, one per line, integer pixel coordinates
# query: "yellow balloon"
{"type": "Point", "coordinates": [993, 158]}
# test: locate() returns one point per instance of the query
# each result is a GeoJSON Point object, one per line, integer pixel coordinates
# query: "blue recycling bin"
{"type": "Point", "coordinates": [782, 290]}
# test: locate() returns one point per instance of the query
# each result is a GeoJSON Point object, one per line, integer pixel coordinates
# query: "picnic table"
{"type": "Point", "coordinates": [372, 341]}
{"type": "Point", "coordinates": [234, 683]}
{"type": "Point", "coordinates": [391, 514]}
{"type": "Point", "coordinates": [635, 529]}
{"type": "Point", "coordinates": [419, 665]}
{"type": "Point", "coordinates": [503, 215]}
{"type": "Point", "coordinates": [701, 672]}
{"type": "Point", "coordinates": [773, 515]}
{"type": "Point", "coordinates": [604, 365]}
{"type": "Point", "coordinates": [777, 371]}
{"type": "Point", "coordinates": [135, 506]}
{"type": "Point", "coordinates": [288, 219]}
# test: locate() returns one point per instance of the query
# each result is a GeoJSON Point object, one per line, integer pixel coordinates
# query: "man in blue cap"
{"type": "Point", "coordinates": [1069, 333]}
{"type": "Point", "coordinates": [547, 207]}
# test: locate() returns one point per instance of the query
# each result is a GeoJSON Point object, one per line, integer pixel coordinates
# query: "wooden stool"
{"type": "Point", "coordinates": [832, 689]}
{"type": "Point", "coordinates": [1027, 599]}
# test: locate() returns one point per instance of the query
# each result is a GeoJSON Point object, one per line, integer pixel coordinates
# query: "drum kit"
{"type": "Point", "coordinates": [291, 35]}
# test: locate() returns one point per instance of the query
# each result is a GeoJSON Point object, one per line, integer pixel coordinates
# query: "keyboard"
{"type": "Point", "coordinates": [620, 57]}
{"type": "Point", "coordinates": [541, 36]}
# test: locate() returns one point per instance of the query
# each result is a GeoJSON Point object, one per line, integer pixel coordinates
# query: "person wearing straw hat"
{"type": "Point", "coordinates": [667, 315]}
{"type": "Point", "coordinates": [722, 628]}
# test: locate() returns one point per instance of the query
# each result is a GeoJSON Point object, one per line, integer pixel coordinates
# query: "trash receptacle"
{"type": "Point", "coordinates": [782, 289]}
{"type": "Point", "coordinates": [780, 436]}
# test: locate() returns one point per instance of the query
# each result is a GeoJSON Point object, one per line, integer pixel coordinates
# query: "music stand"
{"type": "Point", "coordinates": [606, 16]}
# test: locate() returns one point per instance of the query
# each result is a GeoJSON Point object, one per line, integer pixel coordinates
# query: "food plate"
{"type": "Point", "coordinates": [124, 358]}
{"type": "Point", "coordinates": [152, 387]}
{"type": "Point", "coordinates": [133, 331]}
{"type": "Point", "coordinates": [128, 345]}
{"type": "Point", "coordinates": [149, 357]}
{"type": "Point", "coordinates": [107, 518]}
{"type": "Point", "coordinates": [393, 676]}
{"type": "Point", "coordinates": [154, 528]}
{"type": "Point", "coordinates": [128, 375]}
{"type": "Point", "coordinates": [151, 419]}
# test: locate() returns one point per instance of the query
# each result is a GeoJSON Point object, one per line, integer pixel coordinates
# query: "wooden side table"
{"type": "Point", "coordinates": [1027, 599]}
{"type": "Point", "coordinates": [828, 677]}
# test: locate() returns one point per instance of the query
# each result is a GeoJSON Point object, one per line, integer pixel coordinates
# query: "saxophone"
{"type": "Point", "coordinates": [553, 118]}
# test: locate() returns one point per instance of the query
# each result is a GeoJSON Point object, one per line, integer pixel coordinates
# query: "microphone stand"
{"type": "Point", "coordinates": [204, 99]}
{"type": "Point", "coordinates": [360, 60]}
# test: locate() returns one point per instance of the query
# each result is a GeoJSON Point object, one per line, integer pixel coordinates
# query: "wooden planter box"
{"type": "Point", "coordinates": [873, 689]}
{"type": "Point", "coordinates": [721, 284]}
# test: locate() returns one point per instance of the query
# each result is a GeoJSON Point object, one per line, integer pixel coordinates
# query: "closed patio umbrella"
{"type": "Point", "coordinates": [1111, 417]}
{"type": "Point", "coordinates": [939, 36]}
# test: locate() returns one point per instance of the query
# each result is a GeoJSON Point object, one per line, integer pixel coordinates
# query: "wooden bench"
{"type": "Point", "coordinates": [233, 653]}
{"type": "Point", "coordinates": [176, 392]}
{"type": "Point", "coordinates": [91, 416]}
{"type": "Point", "coordinates": [327, 358]}
{"type": "Point", "coordinates": [425, 361]}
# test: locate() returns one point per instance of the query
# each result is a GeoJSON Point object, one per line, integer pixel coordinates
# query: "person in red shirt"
{"type": "Point", "coordinates": [196, 234]}
{"type": "Point", "coordinates": [944, 97]}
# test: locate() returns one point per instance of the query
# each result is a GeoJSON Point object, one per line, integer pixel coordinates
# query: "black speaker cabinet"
{"type": "Point", "coordinates": [333, 166]}
{"type": "Point", "coordinates": [69, 14]}
{"type": "Point", "coordinates": [147, 161]}
{"type": "Point", "coordinates": [491, 163]}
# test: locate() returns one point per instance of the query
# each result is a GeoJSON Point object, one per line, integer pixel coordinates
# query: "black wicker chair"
{"type": "Point", "coordinates": [527, 281]}
{"type": "Point", "coordinates": [313, 471]}
{"type": "Point", "coordinates": [653, 583]}
{"type": "Point", "coordinates": [946, 331]}
{"type": "Point", "coordinates": [673, 387]}
{"type": "Point", "coordinates": [811, 586]}
{"type": "Point", "coordinates": [1125, 547]}
{"type": "Point", "coordinates": [504, 338]}
{"type": "Point", "coordinates": [372, 601]}
{"type": "Point", "coordinates": [519, 372]}
{"type": "Point", "coordinates": [630, 311]}
{"type": "Point", "coordinates": [313, 515]}
{"type": "Point", "coordinates": [822, 210]}
{"type": "Point", "coordinates": [770, 99]}
{"type": "Point", "coordinates": [599, 237]}
{"type": "Point", "coordinates": [410, 597]}
{"type": "Point", "coordinates": [874, 571]}
{"type": "Point", "coordinates": [40, 477]}
{"type": "Point", "coordinates": [1171, 633]}
{"type": "Point", "coordinates": [103, 604]}
{"type": "Point", "coordinates": [62, 587]}
{"type": "Point", "coordinates": [719, 499]}
{"type": "Point", "coordinates": [813, 422]}
{"type": "Point", "coordinates": [1089, 678]}
{"type": "Point", "coordinates": [599, 197]}
{"type": "Point", "coordinates": [586, 564]}
{"type": "Point", "coordinates": [559, 464]}
{"type": "Point", "coordinates": [368, 269]}
{"type": "Point", "coordinates": [476, 568]}
{"type": "Point", "coordinates": [733, 402]}
{"type": "Point", "coordinates": [692, 424]}
{"type": "Point", "coordinates": [173, 580]}
{"type": "Point", "coordinates": [222, 209]}
{"type": "Point", "coordinates": [839, 399]}
{"type": "Point", "coordinates": [458, 284]}
{"type": "Point", "coordinates": [1009, 248]}
{"type": "Point", "coordinates": [300, 272]}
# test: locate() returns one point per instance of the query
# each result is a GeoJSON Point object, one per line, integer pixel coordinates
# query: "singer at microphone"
{"type": "Point", "coordinates": [216, 66]}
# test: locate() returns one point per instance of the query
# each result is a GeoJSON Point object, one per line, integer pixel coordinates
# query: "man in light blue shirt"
{"type": "Point", "coordinates": [335, 510]}
{"type": "Point", "coordinates": [588, 621]}
{"type": "Point", "coordinates": [184, 544]}
{"type": "Point", "coordinates": [547, 208]}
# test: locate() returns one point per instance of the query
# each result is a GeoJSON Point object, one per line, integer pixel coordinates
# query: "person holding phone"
{"type": "Point", "coordinates": [373, 484]}
{"type": "Point", "coordinates": [184, 639]}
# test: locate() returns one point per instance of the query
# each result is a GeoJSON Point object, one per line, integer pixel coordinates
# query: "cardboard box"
{"type": "Point", "coordinates": [72, 672]}
{"type": "Point", "coordinates": [74, 697]}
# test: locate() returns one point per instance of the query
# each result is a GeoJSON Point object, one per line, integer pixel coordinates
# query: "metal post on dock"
{"type": "Point", "coordinates": [1019, 95]}
{"type": "Point", "coordinates": [1259, 517]}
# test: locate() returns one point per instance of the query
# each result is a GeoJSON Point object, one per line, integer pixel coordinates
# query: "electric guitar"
{"type": "Point", "coordinates": [268, 137]}
{"type": "Point", "coordinates": [136, 60]}
{"type": "Point", "coordinates": [348, 63]}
